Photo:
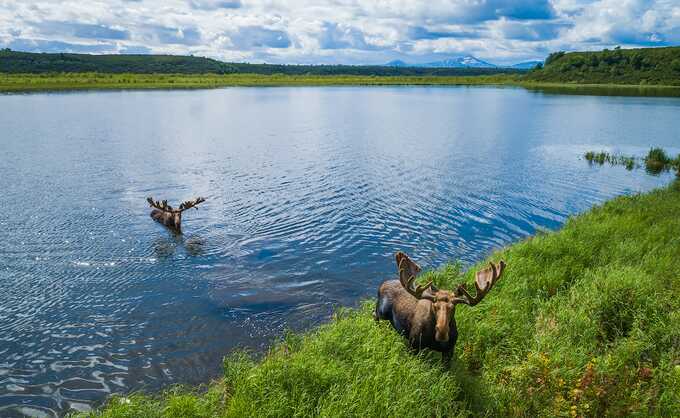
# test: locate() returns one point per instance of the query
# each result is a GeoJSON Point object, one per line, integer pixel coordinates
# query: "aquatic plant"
{"type": "Point", "coordinates": [657, 161]}
{"type": "Point", "coordinates": [613, 159]}
{"type": "Point", "coordinates": [658, 155]}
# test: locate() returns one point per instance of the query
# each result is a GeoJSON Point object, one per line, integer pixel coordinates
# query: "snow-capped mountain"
{"type": "Point", "coordinates": [398, 63]}
{"type": "Point", "coordinates": [527, 65]}
{"type": "Point", "coordinates": [467, 61]}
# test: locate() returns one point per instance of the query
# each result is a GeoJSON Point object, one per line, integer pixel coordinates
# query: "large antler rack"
{"type": "Point", "coordinates": [160, 205]}
{"type": "Point", "coordinates": [407, 278]}
{"type": "Point", "coordinates": [484, 281]}
{"type": "Point", "coordinates": [165, 207]}
{"type": "Point", "coordinates": [191, 203]}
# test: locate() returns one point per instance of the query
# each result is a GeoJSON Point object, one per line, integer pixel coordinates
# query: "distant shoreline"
{"type": "Point", "coordinates": [103, 81]}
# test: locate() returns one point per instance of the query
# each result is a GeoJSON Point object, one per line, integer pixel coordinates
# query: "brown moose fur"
{"type": "Point", "coordinates": [426, 315]}
{"type": "Point", "coordinates": [166, 215]}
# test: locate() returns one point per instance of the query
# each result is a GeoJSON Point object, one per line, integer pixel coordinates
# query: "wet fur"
{"type": "Point", "coordinates": [172, 220]}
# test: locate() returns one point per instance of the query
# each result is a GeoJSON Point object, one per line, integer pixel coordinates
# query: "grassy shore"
{"type": "Point", "coordinates": [585, 322]}
{"type": "Point", "coordinates": [101, 81]}
{"type": "Point", "coordinates": [77, 81]}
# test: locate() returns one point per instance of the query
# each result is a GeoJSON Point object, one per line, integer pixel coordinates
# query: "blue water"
{"type": "Point", "coordinates": [309, 193]}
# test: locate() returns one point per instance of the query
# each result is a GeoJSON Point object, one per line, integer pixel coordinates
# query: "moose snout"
{"type": "Point", "coordinates": [441, 336]}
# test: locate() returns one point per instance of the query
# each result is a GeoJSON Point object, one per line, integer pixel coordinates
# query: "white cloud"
{"type": "Point", "coordinates": [338, 31]}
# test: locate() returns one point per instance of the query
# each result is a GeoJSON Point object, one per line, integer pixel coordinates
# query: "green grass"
{"type": "Point", "coordinates": [656, 161]}
{"type": "Point", "coordinates": [76, 81]}
{"type": "Point", "coordinates": [613, 159]}
{"type": "Point", "coordinates": [585, 322]}
{"type": "Point", "coordinates": [108, 81]}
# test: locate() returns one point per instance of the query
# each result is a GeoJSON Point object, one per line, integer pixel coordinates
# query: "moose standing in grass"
{"type": "Point", "coordinates": [167, 215]}
{"type": "Point", "coordinates": [424, 313]}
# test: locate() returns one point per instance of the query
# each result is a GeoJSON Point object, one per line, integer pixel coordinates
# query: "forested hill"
{"type": "Point", "coordinates": [27, 62]}
{"type": "Point", "coordinates": [660, 66]}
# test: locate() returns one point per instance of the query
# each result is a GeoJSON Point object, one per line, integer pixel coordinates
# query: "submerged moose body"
{"type": "Point", "coordinates": [425, 314]}
{"type": "Point", "coordinates": [167, 215]}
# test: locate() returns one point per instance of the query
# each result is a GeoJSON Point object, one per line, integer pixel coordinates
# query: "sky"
{"type": "Point", "coordinates": [338, 31]}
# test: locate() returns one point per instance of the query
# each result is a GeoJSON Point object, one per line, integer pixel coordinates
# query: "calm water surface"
{"type": "Point", "coordinates": [310, 191]}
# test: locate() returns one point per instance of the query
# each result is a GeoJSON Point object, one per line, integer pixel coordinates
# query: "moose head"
{"type": "Point", "coordinates": [167, 215]}
{"type": "Point", "coordinates": [425, 313]}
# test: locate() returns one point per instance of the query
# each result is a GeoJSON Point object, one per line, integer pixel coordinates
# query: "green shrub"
{"type": "Point", "coordinates": [658, 66]}
{"type": "Point", "coordinates": [658, 155]}
{"type": "Point", "coordinates": [657, 161]}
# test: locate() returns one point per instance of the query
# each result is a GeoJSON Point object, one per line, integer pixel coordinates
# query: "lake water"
{"type": "Point", "coordinates": [310, 191]}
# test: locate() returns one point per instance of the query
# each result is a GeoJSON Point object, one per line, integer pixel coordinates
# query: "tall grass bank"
{"type": "Point", "coordinates": [585, 322]}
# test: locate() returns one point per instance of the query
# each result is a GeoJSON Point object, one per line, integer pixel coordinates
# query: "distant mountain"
{"type": "Point", "coordinates": [398, 63]}
{"type": "Point", "coordinates": [467, 61]}
{"type": "Point", "coordinates": [527, 65]}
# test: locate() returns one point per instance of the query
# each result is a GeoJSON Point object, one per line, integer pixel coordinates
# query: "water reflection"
{"type": "Point", "coordinates": [166, 247]}
{"type": "Point", "coordinates": [608, 90]}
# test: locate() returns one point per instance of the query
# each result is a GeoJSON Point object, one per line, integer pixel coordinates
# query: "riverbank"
{"type": "Point", "coordinates": [79, 81]}
{"type": "Point", "coordinates": [101, 81]}
{"type": "Point", "coordinates": [584, 323]}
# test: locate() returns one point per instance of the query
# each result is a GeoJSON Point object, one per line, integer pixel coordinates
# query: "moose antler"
{"type": "Point", "coordinates": [484, 281]}
{"type": "Point", "coordinates": [413, 268]}
{"type": "Point", "coordinates": [190, 203]}
{"type": "Point", "coordinates": [408, 278]}
{"type": "Point", "coordinates": [162, 205]}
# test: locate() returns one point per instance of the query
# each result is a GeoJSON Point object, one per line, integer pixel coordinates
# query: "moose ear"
{"type": "Point", "coordinates": [412, 268]}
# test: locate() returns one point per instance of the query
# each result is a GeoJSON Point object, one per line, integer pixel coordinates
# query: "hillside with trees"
{"type": "Point", "coordinates": [654, 66]}
{"type": "Point", "coordinates": [40, 63]}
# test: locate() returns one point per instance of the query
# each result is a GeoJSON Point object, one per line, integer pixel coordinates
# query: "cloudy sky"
{"type": "Point", "coordinates": [338, 31]}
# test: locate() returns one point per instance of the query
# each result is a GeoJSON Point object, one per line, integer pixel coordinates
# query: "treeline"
{"type": "Point", "coordinates": [654, 66]}
{"type": "Point", "coordinates": [40, 63]}
{"type": "Point", "coordinates": [644, 66]}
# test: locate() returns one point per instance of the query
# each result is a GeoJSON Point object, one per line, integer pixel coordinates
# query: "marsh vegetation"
{"type": "Point", "coordinates": [656, 161]}
{"type": "Point", "coordinates": [80, 81]}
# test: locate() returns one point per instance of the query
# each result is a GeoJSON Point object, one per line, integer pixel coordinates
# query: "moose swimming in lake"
{"type": "Point", "coordinates": [424, 313]}
{"type": "Point", "coordinates": [172, 218]}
